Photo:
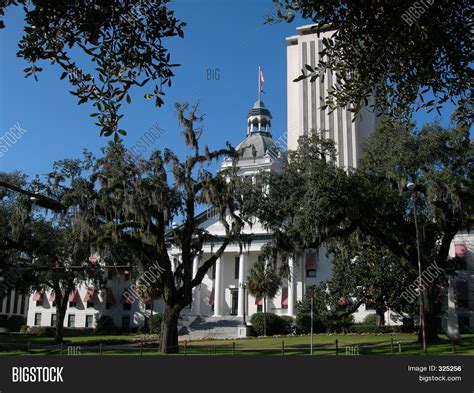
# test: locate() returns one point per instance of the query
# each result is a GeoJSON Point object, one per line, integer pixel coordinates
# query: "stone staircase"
{"type": "Point", "coordinates": [205, 328]}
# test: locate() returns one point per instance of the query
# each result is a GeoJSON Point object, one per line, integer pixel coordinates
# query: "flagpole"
{"type": "Point", "coordinates": [259, 88]}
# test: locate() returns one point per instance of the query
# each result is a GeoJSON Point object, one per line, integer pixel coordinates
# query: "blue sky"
{"type": "Point", "coordinates": [223, 35]}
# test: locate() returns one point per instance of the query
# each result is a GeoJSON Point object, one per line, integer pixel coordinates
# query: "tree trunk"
{"type": "Point", "coordinates": [169, 330]}
{"type": "Point", "coordinates": [380, 316]}
{"type": "Point", "coordinates": [430, 316]}
{"type": "Point", "coordinates": [264, 316]}
{"type": "Point", "coordinates": [60, 315]}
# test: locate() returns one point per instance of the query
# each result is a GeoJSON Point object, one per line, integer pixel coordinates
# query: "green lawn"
{"type": "Point", "coordinates": [298, 345]}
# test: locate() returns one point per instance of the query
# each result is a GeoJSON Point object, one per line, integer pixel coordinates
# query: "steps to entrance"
{"type": "Point", "coordinates": [206, 328]}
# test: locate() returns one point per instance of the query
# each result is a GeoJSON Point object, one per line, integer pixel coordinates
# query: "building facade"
{"type": "Point", "coordinates": [305, 102]}
{"type": "Point", "coordinates": [87, 304]}
{"type": "Point", "coordinates": [459, 296]}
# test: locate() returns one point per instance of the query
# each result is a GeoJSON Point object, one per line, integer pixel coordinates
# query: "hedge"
{"type": "Point", "coordinates": [275, 324]}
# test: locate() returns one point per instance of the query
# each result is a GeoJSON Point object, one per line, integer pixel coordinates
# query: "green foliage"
{"type": "Point", "coordinates": [328, 205]}
{"type": "Point", "coordinates": [105, 325]}
{"type": "Point", "coordinates": [155, 323]}
{"type": "Point", "coordinates": [369, 272]}
{"type": "Point", "coordinates": [370, 319]}
{"type": "Point", "coordinates": [363, 328]}
{"type": "Point", "coordinates": [274, 324]}
{"type": "Point", "coordinates": [376, 48]}
{"type": "Point", "coordinates": [123, 41]}
{"type": "Point", "coordinates": [24, 329]}
{"type": "Point", "coordinates": [263, 281]}
{"type": "Point", "coordinates": [50, 331]}
{"type": "Point", "coordinates": [13, 323]}
{"type": "Point", "coordinates": [289, 324]}
{"type": "Point", "coordinates": [326, 318]}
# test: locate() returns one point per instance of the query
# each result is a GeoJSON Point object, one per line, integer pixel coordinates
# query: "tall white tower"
{"type": "Point", "coordinates": [305, 98]}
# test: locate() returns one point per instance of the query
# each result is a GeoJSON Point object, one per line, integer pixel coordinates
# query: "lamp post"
{"type": "Point", "coordinates": [312, 299]}
{"type": "Point", "coordinates": [244, 286]}
{"type": "Point", "coordinates": [411, 186]}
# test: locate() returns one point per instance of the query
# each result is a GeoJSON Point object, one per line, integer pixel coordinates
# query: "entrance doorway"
{"type": "Point", "coordinates": [234, 301]}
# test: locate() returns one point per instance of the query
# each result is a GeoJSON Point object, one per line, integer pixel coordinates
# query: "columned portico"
{"type": "Point", "coordinates": [242, 279]}
{"type": "Point", "coordinates": [291, 287]}
{"type": "Point", "coordinates": [196, 305]}
{"type": "Point", "coordinates": [218, 289]}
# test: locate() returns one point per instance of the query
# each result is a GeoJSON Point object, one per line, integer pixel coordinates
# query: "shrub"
{"type": "Point", "coordinates": [275, 324]}
{"type": "Point", "coordinates": [12, 323]}
{"type": "Point", "coordinates": [288, 324]}
{"type": "Point", "coordinates": [155, 323]}
{"type": "Point", "coordinates": [370, 319]}
{"type": "Point", "coordinates": [24, 329]}
{"type": "Point", "coordinates": [45, 331]}
{"type": "Point", "coordinates": [324, 322]}
{"type": "Point", "coordinates": [105, 325]}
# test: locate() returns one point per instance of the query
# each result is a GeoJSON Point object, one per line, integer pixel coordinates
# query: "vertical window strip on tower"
{"type": "Point", "coordinates": [305, 91]}
{"type": "Point", "coordinates": [340, 129]}
{"type": "Point", "coordinates": [321, 95]}
{"type": "Point", "coordinates": [331, 112]}
{"type": "Point", "coordinates": [349, 138]}
{"type": "Point", "coordinates": [312, 48]}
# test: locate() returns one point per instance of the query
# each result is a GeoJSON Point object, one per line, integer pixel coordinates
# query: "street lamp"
{"type": "Point", "coordinates": [412, 186]}
{"type": "Point", "coordinates": [244, 286]}
{"type": "Point", "coordinates": [312, 300]}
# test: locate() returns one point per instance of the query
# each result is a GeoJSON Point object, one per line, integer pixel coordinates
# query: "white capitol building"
{"type": "Point", "coordinates": [222, 294]}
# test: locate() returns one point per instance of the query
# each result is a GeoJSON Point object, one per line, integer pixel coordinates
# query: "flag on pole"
{"type": "Point", "coordinates": [260, 80]}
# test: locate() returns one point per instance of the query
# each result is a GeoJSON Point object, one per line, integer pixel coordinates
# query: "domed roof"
{"type": "Point", "coordinates": [257, 145]}
{"type": "Point", "coordinates": [259, 109]}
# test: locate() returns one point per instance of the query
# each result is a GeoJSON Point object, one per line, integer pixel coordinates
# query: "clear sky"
{"type": "Point", "coordinates": [221, 35]}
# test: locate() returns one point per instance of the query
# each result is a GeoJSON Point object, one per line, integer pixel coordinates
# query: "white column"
{"type": "Point", "coordinates": [242, 269]}
{"type": "Point", "coordinates": [196, 305]}
{"type": "Point", "coordinates": [291, 287]}
{"type": "Point", "coordinates": [218, 289]}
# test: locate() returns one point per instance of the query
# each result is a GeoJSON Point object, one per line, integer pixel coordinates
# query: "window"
{"type": "Point", "coordinates": [127, 306]}
{"type": "Point", "coordinates": [310, 273]}
{"type": "Point", "coordinates": [7, 310]}
{"type": "Point", "coordinates": [236, 267]}
{"type": "Point", "coordinates": [15, 303]}
{"type": "Point", "coordinates": [125, 322]}
{"type": "Point", "coordinates": [53, 304]}
{"type": "Point", "coordinates": [71, 320]}
{"type": "Point", "coordinates": [38, 319]}
{"type": "Point", "coordinates": [259, 307]}
{"type": "Point", "coordinates": [370, 306]}
{"type": "Point", "coordinates": [126, 275]}
{"type": "Point", "coordinates": [53, 319]}
{"type": "Point", "coordinates": [90, 304]}
{"type": "Point", "coordinates": [72, 304]}
{"type": "Point", "coordinates": [146, 325]}
{"type": "Point", "coordinates": [89, 320]}
{"type": "Point", "coordinates": [462, 294]}
{"type": "Point", "coordinates": [464, 324]}
{"type": "Point", "coordinates": [22, 306]}
{"type": "Point", "coordinates": [39, 303]}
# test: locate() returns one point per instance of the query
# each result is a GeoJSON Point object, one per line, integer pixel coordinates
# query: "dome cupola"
{"type": "Point", "coordinates": [259, 119]}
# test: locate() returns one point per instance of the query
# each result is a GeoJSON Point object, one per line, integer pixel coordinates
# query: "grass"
{"type": "Point", "coordinates": [324, 344]}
